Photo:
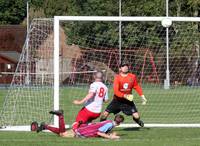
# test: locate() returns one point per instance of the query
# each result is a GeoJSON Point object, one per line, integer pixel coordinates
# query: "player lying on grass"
{"type": "Point", "coordinates": [99, 129]}
{"type": "Point", "coordinates": [98, 93]}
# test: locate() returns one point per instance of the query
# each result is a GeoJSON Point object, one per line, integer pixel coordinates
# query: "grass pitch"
{"type": "Point", "coordinates": [129, 137]}
{"type": "Point", "coordinates": [180, 105]}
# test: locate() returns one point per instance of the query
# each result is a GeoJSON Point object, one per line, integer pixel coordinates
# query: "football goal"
{"type": "Point", "coordinates": [57, 65]}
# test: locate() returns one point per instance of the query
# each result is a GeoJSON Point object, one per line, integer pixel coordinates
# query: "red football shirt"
{"type": "Point", "coordinates": [124, 85]}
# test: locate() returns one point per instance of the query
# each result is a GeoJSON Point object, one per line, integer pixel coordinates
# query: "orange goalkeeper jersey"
{"type": "Point", "coordinates": [124, 85]}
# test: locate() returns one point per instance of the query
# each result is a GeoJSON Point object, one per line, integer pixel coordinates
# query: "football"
{"type": "Point", "coordinates": [166, 22]}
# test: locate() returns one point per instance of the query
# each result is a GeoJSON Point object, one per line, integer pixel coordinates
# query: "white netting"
{"type": "Point", "coordinates": [30, 95]}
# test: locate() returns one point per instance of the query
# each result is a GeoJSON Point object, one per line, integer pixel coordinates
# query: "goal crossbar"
{"type": "Point", "coordinates": [122, 18]}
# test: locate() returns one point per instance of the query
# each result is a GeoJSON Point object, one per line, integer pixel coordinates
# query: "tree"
{"type": "Point", "coordinates": [12, 11]}
{"type": "Point", "coordinates": [143, 8]}
{"type": "Point", "coordinates": [53, 8]}
{"type": "Point", "coordinates": [87, 32]}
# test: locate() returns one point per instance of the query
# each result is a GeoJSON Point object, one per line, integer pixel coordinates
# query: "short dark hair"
{"type": "Point", "coordinates": [124, 63]}
{"type": "Point", "coordinates": [119, 118]}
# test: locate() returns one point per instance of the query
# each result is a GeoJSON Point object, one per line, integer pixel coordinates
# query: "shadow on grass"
{"type": "Point", "coordinates": [133, 129]}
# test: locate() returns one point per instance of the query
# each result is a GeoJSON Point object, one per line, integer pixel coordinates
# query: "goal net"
{"type": "Point", "coordinates": [50, 76]}
{"type": "Point", "coordinates": [30, 95]}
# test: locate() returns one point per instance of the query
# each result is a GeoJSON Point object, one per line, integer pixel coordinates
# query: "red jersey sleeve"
{"type": "Point", "coordinates": [137, 87]}
{"type": "Point", "coordinates": [116, 85]}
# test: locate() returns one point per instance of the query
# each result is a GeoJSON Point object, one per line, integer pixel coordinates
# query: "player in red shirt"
{"type": "Point", "coordinates": [123, 84]}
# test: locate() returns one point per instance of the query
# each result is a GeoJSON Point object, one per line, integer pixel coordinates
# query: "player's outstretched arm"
{"type": "Point", "coordinates": [138, 89]}
{"type": "Point", "coordinates": [108, 136]}
{"type": "Point", "coordinates": [89, 95]}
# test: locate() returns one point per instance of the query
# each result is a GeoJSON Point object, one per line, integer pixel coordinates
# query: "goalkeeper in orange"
{"type": "Point", "coordinates": [123, 84]}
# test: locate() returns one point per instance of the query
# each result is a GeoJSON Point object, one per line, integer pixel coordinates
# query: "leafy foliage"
{"type": "Point", "coordinates": [12, 11]}
{"type": "Point", "coordinates": [104, 35]}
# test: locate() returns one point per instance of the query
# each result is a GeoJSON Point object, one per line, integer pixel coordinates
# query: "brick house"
{"type": "Point", "coordinates": [12, 38]}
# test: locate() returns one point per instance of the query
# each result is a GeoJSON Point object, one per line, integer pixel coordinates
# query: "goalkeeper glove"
{"type": "Point", "coordinates": [144, 100]}
{"type": "Point", "coordinates": [129, 97]}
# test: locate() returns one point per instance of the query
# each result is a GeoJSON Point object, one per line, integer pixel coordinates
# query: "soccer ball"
{"type": "Point", "coordinates": [166, 22]}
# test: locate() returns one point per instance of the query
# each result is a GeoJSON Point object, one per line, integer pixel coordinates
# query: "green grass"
{"type": "Point", "coordinates": [129, 137]}
{"type": "Point", "coordinates": [179, 105]}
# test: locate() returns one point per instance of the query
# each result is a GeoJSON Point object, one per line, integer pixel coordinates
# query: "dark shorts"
{"type": "Point", "coordinates": [116, 106]}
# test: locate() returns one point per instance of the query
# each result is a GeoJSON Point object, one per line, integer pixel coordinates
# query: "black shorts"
{"type": "Point", "coordinates": [116, 106]}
